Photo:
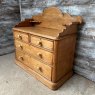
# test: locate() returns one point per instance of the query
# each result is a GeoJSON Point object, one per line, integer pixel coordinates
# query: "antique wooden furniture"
{"type": "Point", "coordinates": [45, 46]}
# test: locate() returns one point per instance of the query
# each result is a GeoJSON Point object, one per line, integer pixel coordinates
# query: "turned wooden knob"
{"type": "Point", "coordinates": [20, 37]}
{"type": "Point", "coordinates": [39, 69]}
{"type": "Point", "coordinates": [40, 43]}
{"type": "Point", "coordinates": [39, 54]}
{"type": "Point", "coordinates": [21, 58]}
{"type": "Point", "coordinates": [20, 46]}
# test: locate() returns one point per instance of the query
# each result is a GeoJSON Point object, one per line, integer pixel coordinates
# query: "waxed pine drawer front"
{"type": "Point", "coordinates": [41, 42]}
{"type": "Point", "coordinates": [22, 57]}
{"type": "Point", "coordinates": [42, 54]}
{"type": "Point", "coordinates": [22, 46]}
{"type": "Point", "coordinates": [35, 51]}
{"type": "Point", "coordinates": [21, 36]}
{"type": "Point", "coordinates": [34, 64]}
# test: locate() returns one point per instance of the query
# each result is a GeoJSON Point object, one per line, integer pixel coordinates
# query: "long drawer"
{"type": "Point", "coordinates": [34, 64]}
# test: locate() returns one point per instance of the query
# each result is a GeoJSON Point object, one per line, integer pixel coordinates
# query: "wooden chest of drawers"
{"type": "Point", "coordinates": [45, 46]}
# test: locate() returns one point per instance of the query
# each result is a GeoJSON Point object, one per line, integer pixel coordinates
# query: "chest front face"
{"type": "Point", "coordinates": [35, 52]}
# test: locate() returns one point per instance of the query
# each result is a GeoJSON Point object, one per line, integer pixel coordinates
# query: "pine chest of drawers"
{"type": "Point", "coordinates": [45, 46]}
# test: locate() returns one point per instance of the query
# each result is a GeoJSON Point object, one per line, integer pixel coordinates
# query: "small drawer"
{"type": "Point", "coordinates": [40, 68]}
{"type": "Point", "coordinates": [21, 36]}
{"type": "Point", "coordinates": [22, 46]}
{"type": "Point", "coordinates": [42, 42]}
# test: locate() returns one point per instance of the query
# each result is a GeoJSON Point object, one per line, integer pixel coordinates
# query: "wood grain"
{"type": "Point", "coordinates": [46, 49]}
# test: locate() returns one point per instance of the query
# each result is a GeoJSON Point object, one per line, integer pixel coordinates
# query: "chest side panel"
{"type": "Point", "coordinates": [64, 56]}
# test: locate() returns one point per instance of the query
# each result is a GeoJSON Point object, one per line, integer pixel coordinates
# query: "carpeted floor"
{"type": "Point", "coordinates": [15, 81]}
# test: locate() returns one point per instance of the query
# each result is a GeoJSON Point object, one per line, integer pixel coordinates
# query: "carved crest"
{"type": "Point", "coordinates": [51, 23]}
{"type": "Point", "coordinates": [53, 18]}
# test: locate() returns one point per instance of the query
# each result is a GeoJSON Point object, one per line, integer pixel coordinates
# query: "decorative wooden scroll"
{"type": "Point", "coordinates": [52, 18]}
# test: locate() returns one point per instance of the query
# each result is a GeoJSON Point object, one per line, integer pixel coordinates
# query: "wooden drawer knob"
{"type": "Point", "coordinates": [39, 69]}
{"type": "Point", "coordinates": [40, 55]}
{"type": "Point", "coordinates": [21, 58]}
{"type": "Point", "coordinates": [20, 37]}
{"type": "Point", "coordinates": [20, 46]}
{"type": "Point", "coordinates": [40, 43]}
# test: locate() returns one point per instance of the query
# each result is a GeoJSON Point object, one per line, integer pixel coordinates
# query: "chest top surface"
{"type": "Point", "coordinates": [52, 23]}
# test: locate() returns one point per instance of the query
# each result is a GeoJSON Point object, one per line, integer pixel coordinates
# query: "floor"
{"type": "Point", "coordinates": [15, 81]}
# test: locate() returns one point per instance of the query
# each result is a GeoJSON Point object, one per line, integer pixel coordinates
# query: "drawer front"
{"type": "Point", "coordinates": [34, 64]}
{"type": "Point", "coordinates": [42, 42]}
{"type": "Point", "coordinates": [40, 68]}
{"type": "Point", "coordinates": [21, 36]}
{"type": "Point", "coordinates": [41, 54]}
{"type": "Point", "coordinates": [20, 56]}
{"type": "Point", "coordinates": [22, 46]}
